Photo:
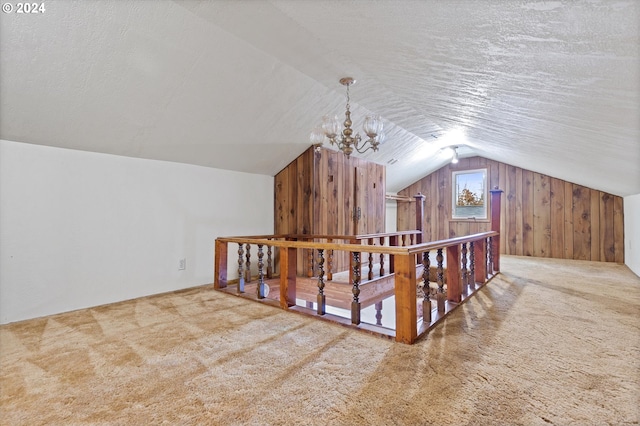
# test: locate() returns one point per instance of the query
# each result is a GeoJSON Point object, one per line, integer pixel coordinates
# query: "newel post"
{"type": "Point", "coordinates": [496, 194]}
{"type": "Point", "coordinates": [288, 268]}
{"type": "Point", "coordinates": [405, 294]}
{"type": "Point", "coordinates": [419, 216]}
{"type": "Point", "coordinates": [220, 263]}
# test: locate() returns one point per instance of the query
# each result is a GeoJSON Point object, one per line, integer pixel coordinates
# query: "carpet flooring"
{"type": "Point", "coordinates": [546, 342]}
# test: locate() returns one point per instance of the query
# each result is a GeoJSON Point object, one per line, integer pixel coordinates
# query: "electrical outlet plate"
{"type": "Point", "coordinates": [182, 265]}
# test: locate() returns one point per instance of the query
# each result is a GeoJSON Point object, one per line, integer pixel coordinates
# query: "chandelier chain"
{"type": "Point", "coordinates": [348, 98]}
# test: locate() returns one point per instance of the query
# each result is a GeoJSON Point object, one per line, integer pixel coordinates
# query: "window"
{"type": "Point", "coordinates": [469, 198]}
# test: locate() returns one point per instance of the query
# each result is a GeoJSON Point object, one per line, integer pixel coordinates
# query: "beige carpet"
{"type": "Point", "coordinates": [546, 342]}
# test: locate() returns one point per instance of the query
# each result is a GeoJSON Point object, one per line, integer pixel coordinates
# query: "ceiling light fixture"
{"type": "Point", "coordinates": [454, 159]}
{"type": "Point", "coordinates": [346, 142]}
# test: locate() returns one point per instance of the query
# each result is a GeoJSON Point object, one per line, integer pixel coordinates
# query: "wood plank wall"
{"type": "Point", "coordinates": [317, 193]}
{"type": "Point", "coordinates": [541, 216]}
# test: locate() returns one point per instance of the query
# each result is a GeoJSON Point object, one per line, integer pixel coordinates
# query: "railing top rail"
{"type": "Point", "coordinates": [431, 245]}
{"type": "Point", "coordinates": [329, 237]}
{"type": "Point", "coordinates": [388, 234]}
{"type": "Point", "coordinates": [412, 249]}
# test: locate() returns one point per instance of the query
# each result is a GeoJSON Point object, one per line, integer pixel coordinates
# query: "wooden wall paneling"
{"type": "Point", "coordinates": [502, 183]}
{"type": "Point", "coordinates": [403, 214]}
{"type": "Point", "coordinates": [607, 239]}
{"type": "Point", "coordinates": [527, 213]}
{"type": "Point", "coordinates": [319, 224]}
{"type": "Point", "coordinates": [380, 199]}
{"type": "Point", "coordinates": [494, 174]}
{"type": "Point", "coordinates": [594, 215]}
{"type": "Point", "coordinates": [581, 222]}
{"type": "Point", "coordinates": [541, 216]}
{"type": "Point", "coordinates": [519, 217]}
{"type": "Point", "coordinates": [460, 228]}
{"type": "Point", "coordinates": [370, 198]}
{"type": "Point", "coordinates": [429, 209]}
{"type": "Point", "coordinates": [305, 193]}
{"type": "Point", "coordinates": [618, 229]}
{"type": "Point", "coordinates": [301, 207]}
{"type": "Point", "coordinates": [281, 186]}
{"type": "Point", "coordinates": [557, 217]}
{"type": "Point", "coordinates": [568, 220]}
{"type": "Point", "coordinates": [293, 197]}
{"type": "Point", "coordinates": [347, 189]}
{"type": "Point", "coordinates": [444, 201]}
{"type": "Point", "coordinates": [342, 225]}
{"type": "Point", "coordinates": [540, 211]}
{"type": "Point", "coordinates": [361, 199]}
{"type": "Point", "coordinates": [510, 235]}
{"type": "Point", "coordinates": [335, 193]}
{"type": "Point", "coordinates": [416, 188]}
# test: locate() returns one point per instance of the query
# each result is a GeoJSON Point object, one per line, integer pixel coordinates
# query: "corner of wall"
{"type": "Point", "coordinates": [632, 232]}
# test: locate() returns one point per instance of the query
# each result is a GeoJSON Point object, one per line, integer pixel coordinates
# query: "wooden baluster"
{"type": "Point", "coordinates": [426, 302]}
{"type": "Point", "coordinates": [260, 289]}
{"type": "Point", "coordinates": [382, 258]}
{"type": "Point", "coordinates": [310, 262]}
{"type": "Point", "coordinates": [355, 305]}
{"type": "Point", "coordinates": [378, 307]}
{"type": "Point", "coordinates": [471, 282]}
{"type": "Point", "coordinates": [269, 263]}
{"type": "Point", "coordinates": [329, 261]}
{"type": "Point", "coordinates": [240, 269]}
{"type": "Point", "coordinates": [464, 271]}
{"type": "Point", "coordinates": [489, 257]}
{"type": "Point", "coordinates": [370, 275]}
{"type": "Point", "coordinates": [247, 271]}
{"type": "Point", "coordinates": [441, 296]}
{"type": "Point", "coordinates": [321, 296]}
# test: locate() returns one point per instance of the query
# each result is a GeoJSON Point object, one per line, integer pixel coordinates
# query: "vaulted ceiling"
{"type": "Point", "coordinates": [550, 86]}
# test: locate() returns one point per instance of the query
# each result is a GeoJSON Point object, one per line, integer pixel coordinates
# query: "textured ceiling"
{"type": "Point", "coordinates": [550, 86]}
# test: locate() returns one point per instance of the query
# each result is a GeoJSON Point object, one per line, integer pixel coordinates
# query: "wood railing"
{"type": "Point", "coordinates": [471, 261]}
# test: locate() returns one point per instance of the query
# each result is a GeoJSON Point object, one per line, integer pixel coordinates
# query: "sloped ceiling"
{"type": "Point", "coordinates": [550, 86]}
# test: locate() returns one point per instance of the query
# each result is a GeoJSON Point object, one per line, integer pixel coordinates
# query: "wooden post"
{"type": "Point", "coordinates": [495, 226]}
{"type": "Point", "coordinates": [288, 266]}
{"type": "Point", "coordinates": [454, 289]}
{"type": "Point", "coordinates": [393, 242]}
{"type": "Point", "coordinates": [480, 264]}
{"type": "Point", "coordinates": [405, 295]}
{"type": "Point", "coordinates": [419, 216]}
{"type": "Point", "coordinates": [220, 263]}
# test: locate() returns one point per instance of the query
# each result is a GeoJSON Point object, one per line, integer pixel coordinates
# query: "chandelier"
{"type": "Point", "coordinates": [346, 142]}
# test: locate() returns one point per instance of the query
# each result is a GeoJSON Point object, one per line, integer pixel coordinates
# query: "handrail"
{"type": "Point", "coordinates": [330, 236]}
{"type": "Point", "coordinates": [386, 249]}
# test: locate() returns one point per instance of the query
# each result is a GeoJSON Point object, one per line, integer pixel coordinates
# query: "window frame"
{"type": "Point", "coordinates": [455, 214]}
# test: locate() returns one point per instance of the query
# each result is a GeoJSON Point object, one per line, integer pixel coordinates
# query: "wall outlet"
{"type": "Point", "coordinates": [182, 265]}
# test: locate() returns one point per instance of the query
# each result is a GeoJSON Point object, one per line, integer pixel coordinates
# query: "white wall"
{"type": "Point", "coordinates": [632, 232]}
{"type": "Point", "coordinates": [391, 216]}
{"type": "Point", "coordinates": [80, 229]}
